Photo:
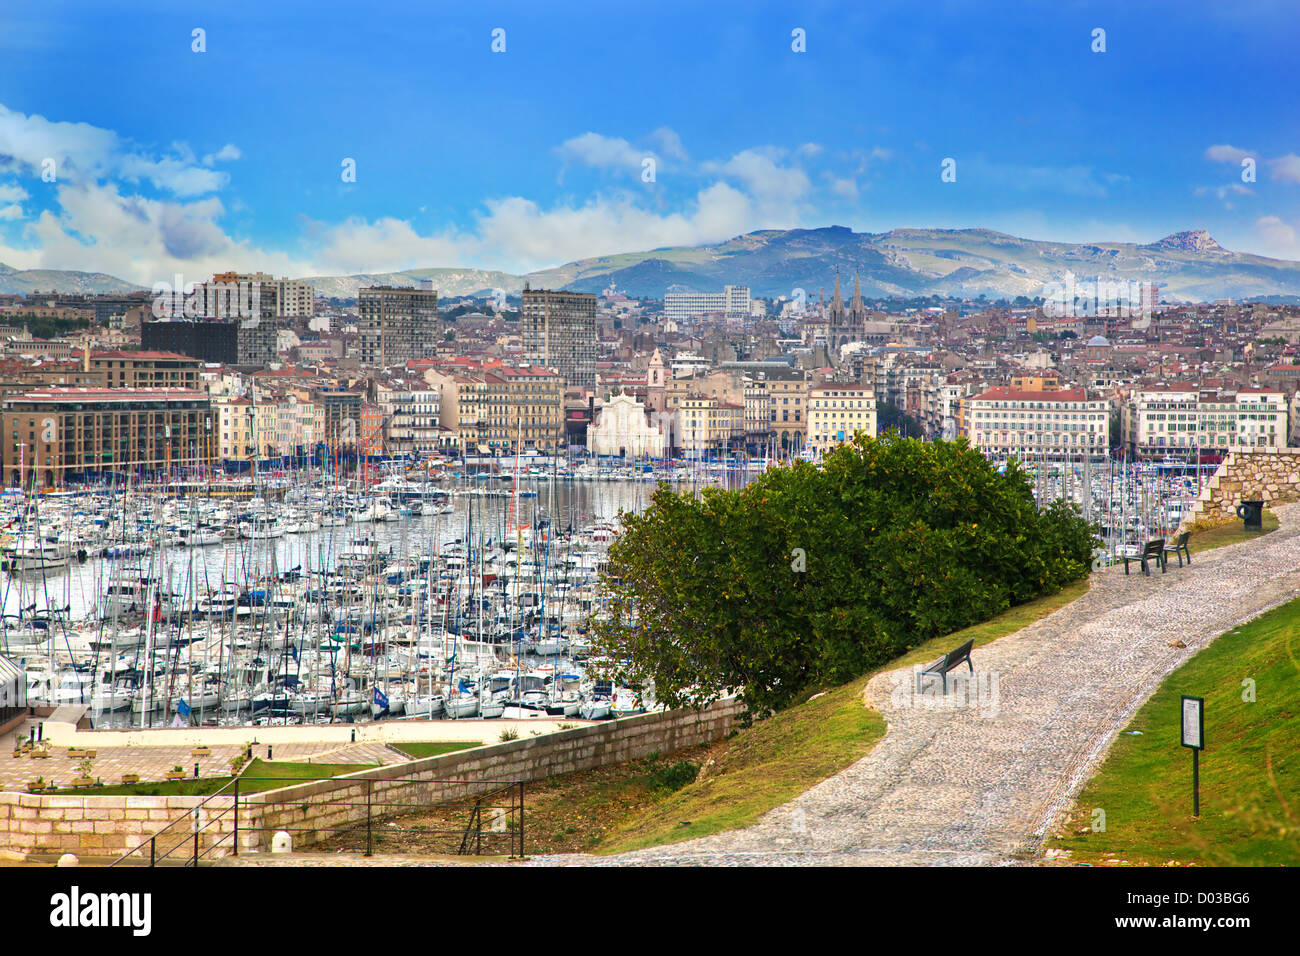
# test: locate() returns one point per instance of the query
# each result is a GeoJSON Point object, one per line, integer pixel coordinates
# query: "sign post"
{"type": "Point", "coordinates": [1194, 737]}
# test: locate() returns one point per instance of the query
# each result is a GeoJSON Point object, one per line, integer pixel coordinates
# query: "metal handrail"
{"type": "Point", "coordinates": [514, 787]}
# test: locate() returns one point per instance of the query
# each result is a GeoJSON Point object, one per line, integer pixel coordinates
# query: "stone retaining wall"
{"type": "Point", "coordinates": [1272, 476]}
{"type": "Point", "coordinates": [109, 826]}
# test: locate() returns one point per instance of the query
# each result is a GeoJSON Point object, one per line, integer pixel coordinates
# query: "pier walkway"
{"type": "Point", "coordinates": [985, 783]}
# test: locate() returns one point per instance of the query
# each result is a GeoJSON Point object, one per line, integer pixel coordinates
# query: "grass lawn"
{"type": "Point", "coordinates": [420, 750]}
{"type": "Point", "coordinates": [777, 759]}
{"type": "Point", "coordinates": [1229, 532]}
{"type": "Point", "coordinates": [261, 775]}
{"type": "Point", "coordinates": [1250, 769]}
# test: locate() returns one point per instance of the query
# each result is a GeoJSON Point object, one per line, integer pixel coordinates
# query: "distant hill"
{"type": "Point", "coordinates": [1188, 266]}
{"type": "Point", "coordinates": [448, 282]}
{"type": "Point", "coordinates": [910, 262]}
{"type": "Point", "coordinates": [25, 281]}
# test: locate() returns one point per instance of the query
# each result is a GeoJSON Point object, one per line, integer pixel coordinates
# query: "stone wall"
{"type": "Point", "coordinates": [109, 826]}
{"type": "Point", "coordinates": [342, 800]}
{"type": "Point", "coordinates": [37, 824]}
{"type": "Point", "coordinates": [1271, 476]}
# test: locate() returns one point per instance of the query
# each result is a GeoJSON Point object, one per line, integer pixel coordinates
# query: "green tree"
{"type": "Point", "coordinates": [813, 575]}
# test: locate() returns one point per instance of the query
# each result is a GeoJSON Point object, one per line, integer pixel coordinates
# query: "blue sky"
{"type": "Point", "coordinates": [169, 160]}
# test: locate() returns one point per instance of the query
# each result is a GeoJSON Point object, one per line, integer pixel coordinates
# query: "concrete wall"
{"type": "Point", "coordinates": [1273, 476]}
{"type": "Point", "coordinates": [103, 826]}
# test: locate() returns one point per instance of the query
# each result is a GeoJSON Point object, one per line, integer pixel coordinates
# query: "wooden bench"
{"type": "Point", "coordinates": [1179, 547]}
{"type": "Point", "coordinates": [948, 662]}
{"type": "Point", "coordinates": [1155, 548]}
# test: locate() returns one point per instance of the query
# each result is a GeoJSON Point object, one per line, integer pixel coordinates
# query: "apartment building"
{"type": "Point", "coordinates": [559, 332]}
{"type": "Point", "coordinates": [1066, 422]}
{"type": "Point", "coordinates": [292, 298]}
{"type": "Point", "coordinates": [706, 425]}
{"type": "Point", "coordinates": [411, 416]}
{"type": "Point", "coordinates": [732, 302]}
{"type": "Point", "coordinates": [396, 325]}
{"type": "Point", "coordinates": [837, 411]}
{"type": "Point", "coordinates": [147, 369]}
{"type": "Point", "coordinates": [236, 430]}
{"type": "Point", "coordinates": [490, 407]}
{"type": "Point", "coordinates": [52, 436]}
{"type": "Point", "coordinates": [1181, 419]}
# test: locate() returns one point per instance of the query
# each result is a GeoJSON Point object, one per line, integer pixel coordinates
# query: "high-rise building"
{"type": "Point", "coordinates": [732, 302]}
{"type": "Point", "coordinates": [397, 325]}
{"type": "Point", "coordinates": [293, 298]}
{"type": "Point", "coordinates": [559, 332]}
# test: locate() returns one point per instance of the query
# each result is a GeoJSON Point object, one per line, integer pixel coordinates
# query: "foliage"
{"type": "Point", "coordinates": [509, 734]}
{"type": "Point", "coordinates": [669, 778]}
{"type": "Point", "coordinates": [812, 575]}
{"type": "Point", "coordinates": [890, 416]}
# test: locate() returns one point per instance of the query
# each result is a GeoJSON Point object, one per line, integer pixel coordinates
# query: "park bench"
{"type": "Point", "coordinates": [1155, 548]}
{"type": "Point", "coordinates": [1179, 547]}
{"type": "Point", "coordinates": [948, 662]}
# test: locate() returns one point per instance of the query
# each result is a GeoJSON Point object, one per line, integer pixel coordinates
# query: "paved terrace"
{"type": "Point", "coordinates": [151, 753]}
{"type": "Point", "coordinates": [110, 763]}
{"type": "Point", "coordinates": [985, 783]}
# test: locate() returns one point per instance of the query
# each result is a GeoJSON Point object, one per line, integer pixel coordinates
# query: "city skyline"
{"type": "Point", "coordinates": [464, 159]}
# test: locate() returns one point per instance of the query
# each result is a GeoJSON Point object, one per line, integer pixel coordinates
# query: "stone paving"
{"type": "Point", "coordinates": [986, 782]}
{"type": "Point", "coordinates": [151, 763]}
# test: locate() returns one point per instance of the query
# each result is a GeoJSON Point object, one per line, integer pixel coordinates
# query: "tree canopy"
{"type": "Point", "coordinates": [812, 575]}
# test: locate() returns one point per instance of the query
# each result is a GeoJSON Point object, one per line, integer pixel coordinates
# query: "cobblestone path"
{"type": "Point", "coordinates": [984, 782]}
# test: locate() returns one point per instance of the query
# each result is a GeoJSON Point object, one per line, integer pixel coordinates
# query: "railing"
{"type": "Point", "coordinates": [481, 816]}
{"type": "Point", "coordinates": [193, 817]}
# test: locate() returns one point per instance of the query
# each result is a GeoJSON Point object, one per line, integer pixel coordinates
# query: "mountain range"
{"type": "Point", "coordinates": [1188, 266]}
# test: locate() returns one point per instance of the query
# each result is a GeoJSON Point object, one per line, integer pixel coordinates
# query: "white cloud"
{"type": "Point", "coordinates": [99, 229]}
{"type": "Point", "coordinates": [779, 192]}
{"type": "Point", "coordinates": [1280, 237]}
{"type": "Point", "coordinates": [1286, 168]}
{"type": "Point", "coordinates": [386, 245]}
{"type": "Point", "coordinates": [83, 153]}
{"type": "Point", "coordinates": [519, 231]}
{"type": "Point", "coordinates": [593, 149]}
{"type": "Point", "coordinates": [225, 154]}
{"type": "Point", "coordinates": [669, 143]}
{"type": "Point", "coordinates": [1223, 153]}
{"type": "Point", "coordinates": [847, 187]}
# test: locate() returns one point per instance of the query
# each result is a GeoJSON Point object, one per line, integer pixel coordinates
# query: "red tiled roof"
{"type": "Point", "coordinates": [1014, 394]}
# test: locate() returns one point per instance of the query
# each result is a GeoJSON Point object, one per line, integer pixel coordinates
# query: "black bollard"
{"type": "Point", "coordinates": [196, 770]}
{"type": "Point", "coordinates": [268, 751]}
{"type": "Point", "coordinates": [354, 735]}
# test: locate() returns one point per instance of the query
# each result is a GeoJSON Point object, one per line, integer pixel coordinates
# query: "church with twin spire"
{"type": "Point", "coordinates": [846, 325]}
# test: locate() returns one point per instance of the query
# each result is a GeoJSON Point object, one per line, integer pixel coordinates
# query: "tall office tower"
{"type": "Point", "coordinates": [397, 325]}
{"type": "Point", "coordinates": [559, 332]}
{"type": "Point", "coordinates": [293, 298]}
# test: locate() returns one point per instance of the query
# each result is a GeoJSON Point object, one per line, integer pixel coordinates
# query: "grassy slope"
{"type": "Point", "coordinates": [1250, 769]}
{"type": "Point", "coordinates": [420, 750]}
{"type": "Point", "coordinates": [777, 759]}
{"type": "Point", "coordinates": [1228, 532]}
